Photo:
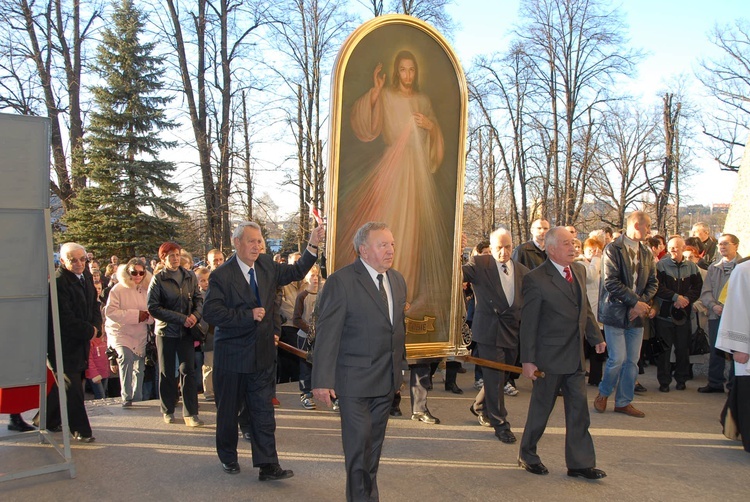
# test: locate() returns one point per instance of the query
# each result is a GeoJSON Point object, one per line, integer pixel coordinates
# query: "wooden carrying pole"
{"type": "Point", "coordinates": [497, 366]}
{"type": "Point", "coordinates": [469, 359]}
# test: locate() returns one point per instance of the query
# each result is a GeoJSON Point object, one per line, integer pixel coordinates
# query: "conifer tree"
{"type": "Point", "coordinates": [129, 206]}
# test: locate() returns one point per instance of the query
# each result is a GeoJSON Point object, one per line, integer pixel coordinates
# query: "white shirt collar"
{"type": "Point", "coordinates": [373, 273]}
{"type": "Point", "coordinates": [246, 269]}
{"type": "Point", "coordinates": [561, 268]}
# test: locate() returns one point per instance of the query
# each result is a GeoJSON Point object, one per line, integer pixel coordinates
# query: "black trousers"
{"type": "Point", "coordinates": [596, 363]}
{"type": "Point", "coordinates": [679, 337]}
{"type": "Point", "coordinates": [363, 422]}
{"type": "Point", "coordinates": [184, 351]}
{"type": "Point", "coordinates": [288, 364]}
{"type": "Point", "coordinates": [254, 391]}
{"type": "Point", "coordinates": [494, 383]}
{"type": "Point", "coordinates": [739, 402]}
{"type": "Point", "coordinates": [78, 419]}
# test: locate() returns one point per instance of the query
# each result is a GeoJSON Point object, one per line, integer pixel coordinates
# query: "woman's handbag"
{"type": "Point", "coordinates": [150, 354]}
{"type": "Point", "coordinates": [199, 333]}
{"type": "Point", "coordinates": [655, 345]}
{"type": "Point", "coordinates": [699, 343]}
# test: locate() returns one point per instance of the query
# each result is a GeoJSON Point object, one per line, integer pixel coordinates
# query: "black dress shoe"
{"type": "Point", "coordinates": [453, 388]}
{"type": "Point", "coordinates": [588, 473]}
{"type": "Point", "coordinates": [640, 388]}
{"type": "Point", "coordinates": [534, 468]}
{"type": "Point", "coordinates": [703, 390]}
{"type": "Point", "coordinates": [231, 467]}
{"type": "Point", "coordinates": [247, 436]}
{"type": "Point", "coordinates": [56, 428]}
{"type": "Point", "coordinates": [395, 412]}
{"type": "Point", "coordinates": [425, 417]}
{"type": "Point", "coordinates": [274, 472]}
{"type": "Point", "coordinates": [18, 424]}
{"type": "Point", "coordinates": [664, 388]}
{"type": "Point", "coordinates": [506, 436]}
{"type": "Point", "coordinates": [473, 411]}
{"type": "Point", "coordinates": [680, 386]}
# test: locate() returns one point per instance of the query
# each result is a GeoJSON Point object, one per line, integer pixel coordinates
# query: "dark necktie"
{"type": "Point", "coordinates": [254, 286]}
{"type": "Point", "coordinates": [83, 282]}
{"type": "Point", "coordinates": [381, 287]}
{"type": "Point", "coordinates": [568, 275]}
{"type": "Point", "coordinates": [505, 269]}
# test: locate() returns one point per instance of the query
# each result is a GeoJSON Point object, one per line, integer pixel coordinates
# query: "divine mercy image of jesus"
{"type": "Point", "coordinates": [400, 189]}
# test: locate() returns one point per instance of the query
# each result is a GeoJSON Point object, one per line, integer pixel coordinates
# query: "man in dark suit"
{"type": "Point", "coordinates": [359, 352]}
{"type": "Point", "coordinates": [496, 281]}
{"type": "Point", "coordinates": [556, 317]}
{"type": "Point", "coordinates": [239, 292]}
{"type": "Point", "coordinates": [80, 321]}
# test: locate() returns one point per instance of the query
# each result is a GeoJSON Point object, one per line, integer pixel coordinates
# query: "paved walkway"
{"type": "Point", "coordinates": [676, 453]}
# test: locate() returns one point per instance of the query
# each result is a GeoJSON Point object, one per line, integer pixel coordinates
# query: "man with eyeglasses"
{"type": "Point", "coordinates": [80, 321]}
{"type": "Point", "coordinates": [712, 297]}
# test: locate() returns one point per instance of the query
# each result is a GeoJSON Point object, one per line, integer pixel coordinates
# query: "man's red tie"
{"type": "Point", "coordinates": [568, 275]}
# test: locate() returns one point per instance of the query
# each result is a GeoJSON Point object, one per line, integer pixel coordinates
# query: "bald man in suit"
{"type": "Point", "coordinates": [496, 281]}
{"type": "Point", "coordinates": [359, 352]}
{"type": "Point", "coordinates": [555, 319]}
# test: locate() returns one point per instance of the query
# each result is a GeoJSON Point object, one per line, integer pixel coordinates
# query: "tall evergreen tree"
{"type": "Point", "coordinates": [129, 207]}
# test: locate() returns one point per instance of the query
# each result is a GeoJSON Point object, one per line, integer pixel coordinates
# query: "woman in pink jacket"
{"type": "Point", "coordinates": [127, 320]}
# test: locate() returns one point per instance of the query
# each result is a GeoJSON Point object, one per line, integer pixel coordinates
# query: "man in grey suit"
{"type": "Point", "coordinates": [240, 304]}
{"type": "Point", "coordinates": [556, 317]}
{"type": "Point", "coordinates": [359, 352]}
{"type": "Point", "coordinates": [496, 281]}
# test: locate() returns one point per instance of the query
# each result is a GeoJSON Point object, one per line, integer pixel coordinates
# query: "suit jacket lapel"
{"type": "Point", "coordinates": [264, 278]}
{"type": "Point", "coordinates": [395, 293]}
{"type": "Point", "coordinates": [580, 280]}
{"type": "Point", "coordinates": [517, 283]}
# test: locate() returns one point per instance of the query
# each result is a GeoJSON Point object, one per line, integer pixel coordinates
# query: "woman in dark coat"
{"type": "Point", "coordinates": [174, 300]}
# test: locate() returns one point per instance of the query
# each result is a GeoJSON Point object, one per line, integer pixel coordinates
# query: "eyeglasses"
{"type": "Point", "coordinates": [137, 272]}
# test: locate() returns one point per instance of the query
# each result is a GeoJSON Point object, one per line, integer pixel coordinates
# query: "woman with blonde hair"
{"type": "Point", "coordinates": [126, 324]}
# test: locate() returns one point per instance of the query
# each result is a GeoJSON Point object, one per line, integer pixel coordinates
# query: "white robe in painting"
{"type": "Point", "coordinates": [401, 191]}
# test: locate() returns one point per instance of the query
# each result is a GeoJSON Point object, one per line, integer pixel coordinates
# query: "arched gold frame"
{"type": "Point", "coordinates": [454, 345]}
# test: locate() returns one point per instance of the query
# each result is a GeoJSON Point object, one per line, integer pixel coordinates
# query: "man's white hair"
{"type": "Point", "coordinates": [495, 235]}
{"type": "Point", "coordinates": [69, 247]}
{"type": "Point", "coordinates": [241, 228]}
{"type": "Point", "coordinates": [554, 235]}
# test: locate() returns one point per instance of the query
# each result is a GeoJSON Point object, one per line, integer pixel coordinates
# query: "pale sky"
{"type": "Point", "coordinates": [673, 34]}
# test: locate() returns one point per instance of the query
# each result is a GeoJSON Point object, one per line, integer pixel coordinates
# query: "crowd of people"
{"type": "Point", "coordinates": [615, 297]}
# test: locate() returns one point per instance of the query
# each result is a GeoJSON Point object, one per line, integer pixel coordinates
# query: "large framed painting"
{"type": "Point", "coordinates": [397, 143]}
